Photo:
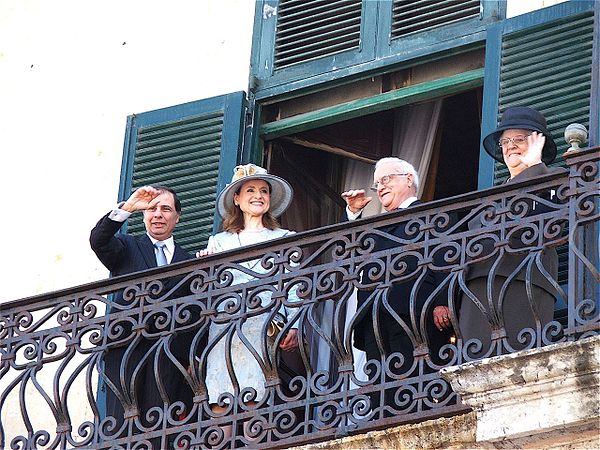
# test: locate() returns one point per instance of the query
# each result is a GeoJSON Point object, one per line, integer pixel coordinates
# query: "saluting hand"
{"type": "Point", "coordinates": [143, 198]}
{"type": "Point", "coordinates": [356, 199]}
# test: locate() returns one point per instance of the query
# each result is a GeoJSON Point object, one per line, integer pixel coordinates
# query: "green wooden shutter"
{"type": "Point", "coordinates": [414, 16]}
{"type": "Point", "coordinates": [191, 148]}
{"type": "Point", "coordinates": [303, 39]}
{"type": "Point", "coordinates": [315, 29]}
{"type": "Point", "coordinates": [409, 29]}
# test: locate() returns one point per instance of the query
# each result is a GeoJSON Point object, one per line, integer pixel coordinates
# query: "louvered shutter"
{"type": "Point", "coordinates": [544, 60]}
{"type": "Point", "coordinates": [414, 28]}
{"type": "Point", "coordinates": [307, 30]}
{"type": "Point", "coordinates": [415, 16]}
{"type": "Point", "coordinates": [303, 39]}
{"type": "Point", "coordinates": [302, 43]}
{"type": "Point", "coordinates": [191, 148]}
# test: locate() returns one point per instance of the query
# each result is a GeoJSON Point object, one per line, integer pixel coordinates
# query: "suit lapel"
{"type": "Point", "coordinates": [147, 251]}
{"type": "Point", "coordinates": [180, 254]}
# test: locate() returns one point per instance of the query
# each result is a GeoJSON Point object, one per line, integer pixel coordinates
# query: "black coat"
{"type": "Point", "coordinates": [123, 254]}
{"type": "Point", "coordinates": [398, 295]}
{"type": "Point", "coordinates": [510, 262]}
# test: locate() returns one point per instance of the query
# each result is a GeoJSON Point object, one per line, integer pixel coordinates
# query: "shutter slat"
{"type": "Point", "coordinates": [423, 15]}
{"type": "Point", "coordinates": [315, 29]}
{"type": "Point", "coordinates": [523, 42]}
{"type": "Point", "coordinates": [199, 146]}
{"type": "Point", "coordinates": [203, 135]}
{"type": "Point", "coordinates": [437, 13]}
{"type": "Point", "coordinates": [547, 68]}
{"type": "Point", "coordinates": [309, 10]}
{"type": "Point", "coordinates": [541, 89]}
{"type": "Point", "coordinates": [184, 162]}
{"type": "Point", "coordinates": [309, 46]}
{"type": "Point", "coordinates": [318, 32]}
{"type": "Point", "coordinates": [312, 55]}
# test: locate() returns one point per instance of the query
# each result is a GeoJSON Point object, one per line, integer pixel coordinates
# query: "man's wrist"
{"type": "Point", "coordinates": [119, 214]}
{"type": "Point", "coordinates": [353, 215]}
{"type": "Point", "coordinates": [125, 207]}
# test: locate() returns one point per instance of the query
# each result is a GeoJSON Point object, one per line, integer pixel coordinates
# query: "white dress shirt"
{"type": "Point", "coordinates": [405, 204]}
{"type": "Point", "coordinates": [120, 215]}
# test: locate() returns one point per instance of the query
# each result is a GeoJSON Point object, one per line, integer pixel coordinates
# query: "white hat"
{"type": "Point", "coordinates": [281, 191]}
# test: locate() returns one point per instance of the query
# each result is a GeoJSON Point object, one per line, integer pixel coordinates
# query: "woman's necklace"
{"type": "Point", "coordinates": [249, 232]}
{"type": "Point", "coordinates": [249, 264]}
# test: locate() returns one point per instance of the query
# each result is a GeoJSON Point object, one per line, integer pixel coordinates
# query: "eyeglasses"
{"type": "Point", "coordinates": [384, 180]}
{"type": "Point", "coordinates": [517, 140]}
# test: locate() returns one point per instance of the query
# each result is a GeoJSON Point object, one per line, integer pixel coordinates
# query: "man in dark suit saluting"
{"type": "Point", "coordinates": [123, 254]}
{"type": "Point", "coordinates": [395, 182]}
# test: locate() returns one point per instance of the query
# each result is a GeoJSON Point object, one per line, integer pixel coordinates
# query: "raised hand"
{"type": "Point", "coordinates": [142, 198]}
{"type": "Point", "coordinates": [535, 145]}
{"type": "Point", "coordinates": [356, 199]}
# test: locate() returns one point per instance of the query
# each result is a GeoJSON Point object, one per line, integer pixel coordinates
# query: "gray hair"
{"type": "Point", "coordinates": [402, 166]}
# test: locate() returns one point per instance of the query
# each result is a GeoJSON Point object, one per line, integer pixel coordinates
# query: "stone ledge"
{"type": "Point", "coordinates": [546, 396]}
{"type": "Point", "coordinates": [456, 432]}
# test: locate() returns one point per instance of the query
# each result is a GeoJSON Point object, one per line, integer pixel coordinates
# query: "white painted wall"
{"type": "Point", "coordinates": [518, 7]}
{"type": "Point", "coordinates": [70, 73]}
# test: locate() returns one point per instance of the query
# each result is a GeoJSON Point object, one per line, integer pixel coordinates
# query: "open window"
{"type": "Point", "coordinates": [436, 126]}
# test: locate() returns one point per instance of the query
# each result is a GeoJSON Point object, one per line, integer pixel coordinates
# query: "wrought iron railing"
{"type": "Point", "coordinates": [64, 358]}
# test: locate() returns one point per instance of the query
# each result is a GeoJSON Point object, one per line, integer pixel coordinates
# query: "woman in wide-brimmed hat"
{"type": "Point", "coordinates": [249, 206]}
{"type": "Point", "coordinates": [522, 142]}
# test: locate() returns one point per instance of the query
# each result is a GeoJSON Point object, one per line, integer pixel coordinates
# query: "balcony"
{"type": "Point", "coordinates": [54, 382]}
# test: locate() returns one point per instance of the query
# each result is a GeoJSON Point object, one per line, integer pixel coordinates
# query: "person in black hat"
{"type": "Point", "coordinates": [522, 142]}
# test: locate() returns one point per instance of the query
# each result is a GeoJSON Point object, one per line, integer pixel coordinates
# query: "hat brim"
{"type": "Point", "coordinates": [281, 193]}
{"type": "Point", "coordinates": [490, 143]}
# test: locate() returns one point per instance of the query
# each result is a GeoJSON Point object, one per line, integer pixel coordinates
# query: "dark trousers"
{"type": "Point", "coordinates": [516, 311]}
{"type": "Point", "coordinates": [393, 340]}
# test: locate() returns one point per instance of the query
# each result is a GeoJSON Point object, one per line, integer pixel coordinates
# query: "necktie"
{"type": "Point", "coordinates": [161, 258]}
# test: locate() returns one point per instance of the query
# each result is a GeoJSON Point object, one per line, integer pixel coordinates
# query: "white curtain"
{"type": "Point", "coordinates": [415, 128]}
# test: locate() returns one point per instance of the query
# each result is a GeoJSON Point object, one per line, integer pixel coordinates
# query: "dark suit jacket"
{"type": "Point", "coordinates": [511, 261]}
{"type": "Point", "coordinates": [398, 294]}
{"type": "Point", "coordinates": [123, 254]}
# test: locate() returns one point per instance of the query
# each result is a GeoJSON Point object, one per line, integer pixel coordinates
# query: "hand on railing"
{"type": "Point", "coordinates": [441, 317]}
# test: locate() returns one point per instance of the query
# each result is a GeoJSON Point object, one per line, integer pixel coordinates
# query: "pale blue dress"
{"type": "Point", "coordinates": [246, 368]}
